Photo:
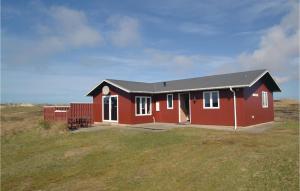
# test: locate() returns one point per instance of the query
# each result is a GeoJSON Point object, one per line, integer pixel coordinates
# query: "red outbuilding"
{"type": "Point", "coordinates": [235, 99]}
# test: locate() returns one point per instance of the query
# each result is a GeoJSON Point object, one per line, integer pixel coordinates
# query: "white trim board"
{"type": "Point", "coordinates": [109, 82]}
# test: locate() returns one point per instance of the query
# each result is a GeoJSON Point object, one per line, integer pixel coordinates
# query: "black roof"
{"type": "Point", "coordinates": [221, 81]}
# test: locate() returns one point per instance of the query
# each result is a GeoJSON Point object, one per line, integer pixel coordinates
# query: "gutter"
{"type": "Point", "coordinates": [234, 107]}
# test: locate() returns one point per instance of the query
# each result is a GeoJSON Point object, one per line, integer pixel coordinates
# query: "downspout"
{"type": "Point", "coordinates": [234, 106]}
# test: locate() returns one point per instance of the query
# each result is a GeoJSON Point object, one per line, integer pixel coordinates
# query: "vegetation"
{"type": "Point", "coordinates": [125, 159]}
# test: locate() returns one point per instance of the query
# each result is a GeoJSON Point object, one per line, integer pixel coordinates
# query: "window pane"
{"type": "Point", "coordinates": [138, 105]}
{"type": "Point", "coordinates": [207, 99]}
{"type": "Point", "coordinates": [157, 106]}
{"type": "Point", "coordinates": [170, 101]}
{"type": "Point", "coordinates": [263, 99]}
{"type": "Point", "coordinates": [106, 108]}
{"type": "Point", "coordinates": [114, 108]}
{"type": "Point", "coordinates": [148, 105]}
{"type": "Point", "coordinates": [215, 97]}
{"type": "Point", "coordinates": [143, 105]}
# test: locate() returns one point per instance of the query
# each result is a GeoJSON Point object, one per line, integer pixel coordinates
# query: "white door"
{"type": "Point", "coordinates": [110, 108]}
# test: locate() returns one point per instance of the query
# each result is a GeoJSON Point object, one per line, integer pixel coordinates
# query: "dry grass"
{"type": "Point", "coordinates": [118, 159]}
{"type": "Point", "coordinates": [286, 110]}
{"type": "Point", "coordinates": [16, 119]}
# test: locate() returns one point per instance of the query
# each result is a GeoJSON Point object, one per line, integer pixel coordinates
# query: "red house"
{"type": "Point", "coordinates": [235, 99]}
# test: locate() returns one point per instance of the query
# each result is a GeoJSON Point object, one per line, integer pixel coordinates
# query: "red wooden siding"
{"type": "Point", "coordinates": [254, 112]}
{"type": "Point", "coordinates": [249, 108]}
{"type": "Point", "coordinates": [166, 115]}
{"type": "Point", "coordinates": [141, 119]}
{"type": "Point", "coordinates": [81, 110]}
{"type": "Point", "coordinates": [222, 116]}
{"type": "Point", "coordinates": [126, 106]}
{"type": "Point", "coordinates": [56, 113]}
{"type": "Point", "coordinates": [63, 113]}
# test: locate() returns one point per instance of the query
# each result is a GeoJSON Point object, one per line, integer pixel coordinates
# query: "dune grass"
{"type": "Point", "coordinates": [123, 159]}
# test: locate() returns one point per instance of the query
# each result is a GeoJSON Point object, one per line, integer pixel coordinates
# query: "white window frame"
{"type": "Point", "coordinates": [146, 107]}
{"type": "Point", "coordinates": [264, 99]}
{"type": "Point", "coordinates": [211, 100]}
{"type": "Point", "coordinates": [157, 106]}
{"type": "Point", "coordinates": [168, 102]}
{"type": "Point", "coordinates": [109, 106]}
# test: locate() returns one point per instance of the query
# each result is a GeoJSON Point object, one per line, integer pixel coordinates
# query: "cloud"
{"type": "Point", "coordinates": [278, 49]}
{"type": "Point", "coordinates": [182, 63]}
{"type": "Point", "coordinates": [261, 9]}
{"type": "Point", "coordinates": [73, 27]}
{"type": "Point", "coordinates": [125, 31]}
{"type": "Point", "coordinates": [195, 28]}
{"type": "Point", "coordinates": [63, 29]}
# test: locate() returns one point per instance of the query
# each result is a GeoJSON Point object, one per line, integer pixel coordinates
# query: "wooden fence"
{"type": "Point", "coordinates": [56, 113]}
{"type": "Point", "coordinates": [76, 115]}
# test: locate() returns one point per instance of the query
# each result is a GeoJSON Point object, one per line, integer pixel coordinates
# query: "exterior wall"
{"type": "Point", "coordinates": [254, 112]}
{"type": "Point", "coordinates": [222, 116]}
{"type": "Point", "coordinates": [166, 115]}
{"type": "Point", "coordinates": [126, 106]}
{"type": "Point", "coordinates": [142, 118]}
{"type": "Point", "coordinates": [247, 106]}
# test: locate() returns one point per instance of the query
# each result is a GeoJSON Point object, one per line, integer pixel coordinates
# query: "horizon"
{"type": "Point", "coordinates": [56, 51]}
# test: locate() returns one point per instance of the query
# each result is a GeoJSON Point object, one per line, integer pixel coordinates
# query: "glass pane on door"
{"type": "Point", "coordinates": [114, 108]}
{"type": "Point", "coordinates": [143, 105]}
{"type": "Point", "coordinates": [106, 108]}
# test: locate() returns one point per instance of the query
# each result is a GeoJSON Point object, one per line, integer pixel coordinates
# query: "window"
{"type": "Point", "coordinates": [169, 101]}
{"type": "Point", "coordinates": [157, 105]}
{"type": "Point", "coordinates": [143, 105]}
{"type": "Point", "coordinates": [264, 97]}
{"type": "Point", "coordinates": [211, 100]}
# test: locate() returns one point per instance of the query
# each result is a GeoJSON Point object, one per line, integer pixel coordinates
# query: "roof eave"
{"type": "Point", "coordinates": [260, 76]}
{"type": "Point", "coordinates": [109, 82]}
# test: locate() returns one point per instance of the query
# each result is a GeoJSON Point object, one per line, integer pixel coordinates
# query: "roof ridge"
{"type": "Point", "coordinates": [213, 75]}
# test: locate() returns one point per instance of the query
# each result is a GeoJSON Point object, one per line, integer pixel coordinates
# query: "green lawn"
{"type": "Point", "coordinates": [123, 159]}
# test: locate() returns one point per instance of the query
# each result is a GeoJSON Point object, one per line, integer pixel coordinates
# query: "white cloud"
{"type": "Point", "coordinates": [195, 28]}
{"type": "Point", "coordinates": [182, 63]}
{"type": "Point", "coordinates": [278, 50]}
{"type": "Point", "coordinates": [125, 31]}
{"type": "Point", "coordinates": [64, 29]}
{"type": "Point", "coordinates": [73, 27]}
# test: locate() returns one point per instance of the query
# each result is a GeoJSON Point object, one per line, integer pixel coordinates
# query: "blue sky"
{"type": "Point", "coordinates": [56, 51]}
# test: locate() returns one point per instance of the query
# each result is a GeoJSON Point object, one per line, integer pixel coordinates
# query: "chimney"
{"type": "Point", "coordinates": [164, 84]}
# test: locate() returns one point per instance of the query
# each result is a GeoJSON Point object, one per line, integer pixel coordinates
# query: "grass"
{"type": "Point", "coordinates": [123, 159]}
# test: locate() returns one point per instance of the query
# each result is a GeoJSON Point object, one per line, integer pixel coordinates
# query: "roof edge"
{"type": "Point", "coordinates": [109, 82]}
{"type": "Point", "coordinates": [193, 89]}
{"type": "Point", "coordinates": [260, 76]}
